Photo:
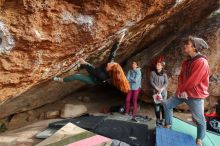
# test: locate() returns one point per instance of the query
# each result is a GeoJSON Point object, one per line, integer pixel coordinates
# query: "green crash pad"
{"type": "Point", "coordinates": [211, 138]}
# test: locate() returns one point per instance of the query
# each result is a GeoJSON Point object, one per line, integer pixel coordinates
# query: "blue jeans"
{"type": "Point", "coordinates": [196, 107]}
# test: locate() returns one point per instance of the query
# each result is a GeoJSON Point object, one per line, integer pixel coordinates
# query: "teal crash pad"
{"type": "Point", "coordinates": [211, 139]}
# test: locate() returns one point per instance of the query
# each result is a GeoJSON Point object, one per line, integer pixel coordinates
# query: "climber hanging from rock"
{"type": "Point", "coordinates": [109, 70]}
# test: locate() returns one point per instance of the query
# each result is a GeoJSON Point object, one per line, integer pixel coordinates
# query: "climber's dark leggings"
{"type": "Point", "coordinates": [88, 79]}
{"type": "Point", "coordinates": [92, 71]}
{"type": "Point", "coordinates": [83, 78]}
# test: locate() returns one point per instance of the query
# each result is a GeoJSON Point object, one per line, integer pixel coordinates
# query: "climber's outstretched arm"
{"type": "Point", "coordinates": [115, 47]}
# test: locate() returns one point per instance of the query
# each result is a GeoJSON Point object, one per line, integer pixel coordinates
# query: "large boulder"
{"type": "Point", "coordinates": [41, 39]}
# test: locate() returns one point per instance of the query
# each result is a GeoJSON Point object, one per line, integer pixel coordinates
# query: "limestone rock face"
{"type": "Point", "coordinates": [44, 38]}
{"type": "Point", "coordinates": [209, 29]}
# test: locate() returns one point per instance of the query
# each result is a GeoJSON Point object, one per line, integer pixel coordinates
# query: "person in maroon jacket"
{"type": "Point", "coordinates": [193, 85]}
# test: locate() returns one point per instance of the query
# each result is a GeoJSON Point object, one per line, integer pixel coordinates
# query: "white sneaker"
{"type": "Point", "coordinates": [57, 79]}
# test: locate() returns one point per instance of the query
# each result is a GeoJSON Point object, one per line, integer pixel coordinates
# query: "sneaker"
{"type": "Point", "coordinates": [162, 122]}
{"type": "Point", "coordinates": [58, 79]}
{"type": "Point", "coordinates": [134, 119]}
{"type": "Point", "coordinates": [158, 123]}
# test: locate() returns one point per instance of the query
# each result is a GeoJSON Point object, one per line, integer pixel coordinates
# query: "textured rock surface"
{"type": "Point", "coordinates": [41, 39]}
{"type": "Point", "coordinates": [71, 111]}
{"type": "Point", "coordinates": [50, 36]}
{"type": "Point", "coordinates": [209, 29]}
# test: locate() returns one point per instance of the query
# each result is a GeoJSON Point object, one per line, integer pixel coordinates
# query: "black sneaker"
{"type": "Point", "coordinates": [158, 123]}
{"type": "Point", "coordinates": [135, 120]}
{"type": "Point", "coordinates": [162, 122]}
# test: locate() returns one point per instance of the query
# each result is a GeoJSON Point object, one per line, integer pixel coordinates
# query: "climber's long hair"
{"type": "Point", "coordinates": [119, 79]}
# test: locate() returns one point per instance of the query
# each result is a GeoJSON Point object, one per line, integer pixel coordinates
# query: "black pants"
{"type": "Point", "coordinates": [159, 110]}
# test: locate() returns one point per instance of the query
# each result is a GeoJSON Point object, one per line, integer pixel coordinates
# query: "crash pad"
{"type": "Point", "coordinates": [68, 130]}
{"type": "Point", "coordinates": [129, 132]}
{"type": "Point", "coordinates": [167, 137]}
{"type": "Point", "coordinates": [132, 133]}
{"type": "Point", "coordinates": [88, 122]}
{"type": "Point", "coordinates": [92, 141]}
{"type": "Point", "coordinates": [211, 139]}
{"type": "Point", "coordinates": [73, 135]}
{"type": "Point", "coordinates": [46, 133]}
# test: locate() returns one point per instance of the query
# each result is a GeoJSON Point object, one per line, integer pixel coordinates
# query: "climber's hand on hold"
{"type": "Point", "coordinates": [82, 61]}
{"type": "Point", "coordinates": [122, 35]}
{"type": "Point", "coordinates": [58, 79]}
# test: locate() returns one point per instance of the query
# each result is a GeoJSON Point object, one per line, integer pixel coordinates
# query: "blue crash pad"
{"type": "Point", "coordinates": [167, 137]}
